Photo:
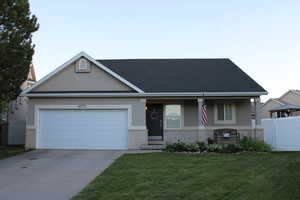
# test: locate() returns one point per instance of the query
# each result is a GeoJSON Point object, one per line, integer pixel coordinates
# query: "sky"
{"type": "Point", "coordinates": [261, 36]}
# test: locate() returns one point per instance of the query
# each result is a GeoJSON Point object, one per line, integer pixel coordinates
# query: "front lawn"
{"type": "Point", "coordinates": [6, 152]}
{"type": "Point", "coordinates": [185, 176]}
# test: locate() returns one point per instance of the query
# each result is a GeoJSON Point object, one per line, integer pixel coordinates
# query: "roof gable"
{"type": "Point", "coordinates": [89, 58]}
{"type": "Point", "coordinates": [272, 101]}
{"type": "Point", "coordinates": [68, 80]}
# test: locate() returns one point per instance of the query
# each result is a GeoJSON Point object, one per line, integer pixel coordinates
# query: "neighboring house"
{"type": "Point", "coordinates": [15, 126]}
{"type": "Point", "coordinates": [286, 105]}
{"type": "Point", "coordinates": [126, 104]}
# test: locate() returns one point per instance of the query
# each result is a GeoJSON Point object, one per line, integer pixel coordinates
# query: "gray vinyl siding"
{"type": "Point", "coordinates": [138, 106]}
{"type": "Point", "coordinates": [191, 114]}
{"type": "Point", "coordinates": [242, 112]}
{"type": "Point", "coordinates": [69, 80]}
{"type": "Point", "coordinates": [190, 109]}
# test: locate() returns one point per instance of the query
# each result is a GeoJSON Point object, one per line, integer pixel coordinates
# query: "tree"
{"type": "Point", "coordinates": [16, 48]}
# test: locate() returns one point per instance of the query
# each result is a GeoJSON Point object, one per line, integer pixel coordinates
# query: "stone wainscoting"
{"type": "Point", "coordinates": [136, 138]}
{"type": "Point", "coordinates": [201, 134]}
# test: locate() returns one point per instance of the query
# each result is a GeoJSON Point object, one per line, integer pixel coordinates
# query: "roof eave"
{"type": "Point", "coordinates": [160, 94]}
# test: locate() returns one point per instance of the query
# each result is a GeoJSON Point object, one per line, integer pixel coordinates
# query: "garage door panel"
{"type": "Point", "coordinates": [83, 129]}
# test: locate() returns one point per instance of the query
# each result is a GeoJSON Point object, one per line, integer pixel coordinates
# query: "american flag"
{"type": "Point", "coordinates": [204, 119]}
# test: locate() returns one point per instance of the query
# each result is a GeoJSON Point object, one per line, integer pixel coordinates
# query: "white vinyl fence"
{"type": "Point", "coordinates": [283, 134]}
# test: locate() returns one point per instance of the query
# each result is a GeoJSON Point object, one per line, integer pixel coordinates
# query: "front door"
{"type": "Point", "coordinates": [154, 118]}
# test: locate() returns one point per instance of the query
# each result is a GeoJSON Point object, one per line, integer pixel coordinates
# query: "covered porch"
{"type": "Point", "coordinates": [171, 119]}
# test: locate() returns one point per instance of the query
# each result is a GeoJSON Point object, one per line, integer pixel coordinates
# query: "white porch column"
{"type": "Point", "coordinates": [200, 103]}
{"type": "Point", "coordinates": [202, 132]}
{"type": "Point", "coordinates": [256, 132]}
{"type": "Point", "coordinates": [257, 111]}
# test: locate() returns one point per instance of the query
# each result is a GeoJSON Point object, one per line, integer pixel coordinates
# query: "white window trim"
{"type": "Point", "coordinates": [233, 121]}
{"type": "Point", "coordinates": [181, 117]}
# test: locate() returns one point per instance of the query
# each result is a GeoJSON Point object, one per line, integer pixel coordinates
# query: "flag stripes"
{"type": "Point", "coordinates": [204, 119]}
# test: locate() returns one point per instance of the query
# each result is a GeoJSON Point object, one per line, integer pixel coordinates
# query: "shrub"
{"type": "Point", "coordinates": [250, 144]}
{"type": "Point", "coordinates": [202, 146]}
{"type": "Point", "coordinates": [231, 148]}
{"type": "Point", "coordinates": [181, 146]}
{"type": "Point", "coordinates": [192, 147]}
{"type": "Point", "coordinates": [246, 144]}
{"type": "Point", "coordinates": [224, 148]}
{"type": "Point", "coordinates": [169, 148]}
{"type": "Point", "coordinates": [177, 147]}
{"type": "Point", "coordinates": [211, 148]}
{"type": "Point", "coordinates": [261, 146]}
{"type": "Point", "coordinates": [210, 140]}
{"type": "Point", "coordinates": [215, 148]}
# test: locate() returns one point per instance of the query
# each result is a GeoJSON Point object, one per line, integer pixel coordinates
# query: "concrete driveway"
{"type": "Point", "coordinates": [51, 174]}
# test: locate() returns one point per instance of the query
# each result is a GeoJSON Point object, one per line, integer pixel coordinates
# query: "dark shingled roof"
{"type": "Point", "coordinates": [184, 75]}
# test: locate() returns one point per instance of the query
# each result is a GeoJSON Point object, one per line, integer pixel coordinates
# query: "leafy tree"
{"type": "Point", "coordinates": [16, 48]}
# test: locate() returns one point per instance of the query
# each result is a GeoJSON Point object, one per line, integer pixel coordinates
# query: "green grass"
{"type": "Point", "coordinates": [185, 176]}
{"type": "Point", "coordinates": [6, 152]}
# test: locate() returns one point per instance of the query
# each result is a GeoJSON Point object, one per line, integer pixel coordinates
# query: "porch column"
{"type": "Point", "coordinates": [200, 103]}
{"type": "Point", "coordinates": [257, 117]}
{"type": "Point", "coordinates": [202, 132]}
{"type": "Point", "coordinates": [257, 111]}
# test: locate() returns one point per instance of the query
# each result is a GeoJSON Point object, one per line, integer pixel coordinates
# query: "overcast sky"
{"type": "Point", "coordinates": [261, 37]}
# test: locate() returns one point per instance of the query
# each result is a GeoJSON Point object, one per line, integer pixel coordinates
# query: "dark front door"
{"type": "Point", "coordinates": [154, 121]}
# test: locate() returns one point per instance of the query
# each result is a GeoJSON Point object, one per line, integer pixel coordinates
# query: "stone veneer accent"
{"type": "Point", "coordinates": [30, 138]}
{"type": "Point", "coordinates": [171, 136]}
{"type": "Point", "coordinates": [139, 137]}
{"type": "Point", "coordinates": [136, 138]}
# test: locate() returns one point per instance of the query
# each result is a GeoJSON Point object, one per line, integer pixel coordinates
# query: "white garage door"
{"type": "Point", "coordinates": [82, 129]}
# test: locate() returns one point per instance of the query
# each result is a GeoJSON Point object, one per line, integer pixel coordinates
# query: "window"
{"type": "Point", "coordinates": [173, 116]}
{"type": "Point", "coordinates": [224, 113]}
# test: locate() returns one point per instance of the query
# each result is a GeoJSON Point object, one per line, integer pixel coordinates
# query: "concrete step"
{"type": "Point", "coordinates": [156, 142]}
{"type": "Point", "coordinates": [153, 147]}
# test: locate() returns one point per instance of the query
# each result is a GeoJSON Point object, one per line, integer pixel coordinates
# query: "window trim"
{"type": "Point", "coordinates": [217, 121]}
{"type": "Point", "coordinates": [165, 118]}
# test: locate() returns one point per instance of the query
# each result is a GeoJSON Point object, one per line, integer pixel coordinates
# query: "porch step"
{"type": "Point", "coordinates": [153, 147]}
{"type": "Point", "coordinates": [155, 142]}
